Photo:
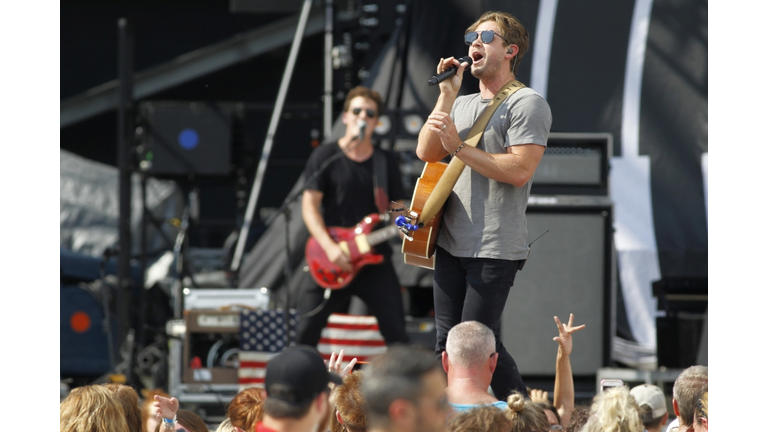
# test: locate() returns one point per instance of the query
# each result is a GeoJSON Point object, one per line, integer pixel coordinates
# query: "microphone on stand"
{"type": "Point", "coordinates": [451, 71]}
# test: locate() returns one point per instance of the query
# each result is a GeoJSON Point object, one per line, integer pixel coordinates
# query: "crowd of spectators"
{"type": "Point", "coordinates": [405, 389]}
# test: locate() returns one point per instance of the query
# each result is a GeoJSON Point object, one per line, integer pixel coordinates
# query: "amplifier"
{"type": "Point", "coordinates": [570, 270]}
{"type": "Point", "coordinates": [210, 346]}
{"type": "Point", "coordinates": [211, 342]}
{"type": "Point", "coordinates": [574, 164]}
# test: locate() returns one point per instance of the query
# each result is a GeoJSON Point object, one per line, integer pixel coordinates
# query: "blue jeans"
{"type": "Point", "coordinates": [476, 289]}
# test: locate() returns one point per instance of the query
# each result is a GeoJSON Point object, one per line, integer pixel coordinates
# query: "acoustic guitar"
{"type": "Point", "coordinates": [356, 242]}
{"type": "Point", "coordinates": [419, 249]}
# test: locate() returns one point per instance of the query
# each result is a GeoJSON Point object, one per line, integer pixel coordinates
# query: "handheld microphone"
{"type": "Point", "coordinates": [451, 71]}
{"type": "Point", "coordinates": [361, 124]}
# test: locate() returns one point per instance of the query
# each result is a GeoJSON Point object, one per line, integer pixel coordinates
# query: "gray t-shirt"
{"type": "Point", "coordinates": [485, 218]}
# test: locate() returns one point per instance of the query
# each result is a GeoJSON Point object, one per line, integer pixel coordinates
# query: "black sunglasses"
{"type": "Point", "coordinates": [485, 35]}
{"type": "Point", "coordinates": [371, 113]}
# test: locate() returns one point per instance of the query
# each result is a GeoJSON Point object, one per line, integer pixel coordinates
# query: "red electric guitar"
{"type": "Point", "coordinates": [356, 242]}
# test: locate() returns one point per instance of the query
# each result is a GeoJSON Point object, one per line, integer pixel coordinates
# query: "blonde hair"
{"type": "Point", "coordinates": [129, 399]}
{"type": "Point", "coordinates": [614, 410]}
{"type": "Point", "coordinates": [485, 418]}
{"type": "Point", "coordinates": [225, 426]}
{"type": "Point", "coordinates": [524, 414]}
{"type": "Point", "coordinates": [92, 408]}
{"type": "Point", "coordinates": [350, 404]}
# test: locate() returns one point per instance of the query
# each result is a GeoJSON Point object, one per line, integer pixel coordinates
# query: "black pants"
{"type": "Point", "coordinates": [376, 285]}
{"type": "Point", "coordinates": [476, 289]}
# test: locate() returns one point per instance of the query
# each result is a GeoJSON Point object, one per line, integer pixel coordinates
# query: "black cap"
{"type": "Point", "coordinates": [297, 375]}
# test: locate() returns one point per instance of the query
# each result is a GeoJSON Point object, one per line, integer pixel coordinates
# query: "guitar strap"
{"type": "Point", "coordinates": [380, 181]}
{"type": "Point", "coordinates": [452, 173]}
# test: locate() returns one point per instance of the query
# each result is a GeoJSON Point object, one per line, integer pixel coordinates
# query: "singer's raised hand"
{"type": "Point", "coordinates": [453, 84]}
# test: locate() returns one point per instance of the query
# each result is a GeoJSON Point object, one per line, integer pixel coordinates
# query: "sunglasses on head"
{"type": "Point", "coordinates": [486, 36]}
{"type": "Point", "coordinates": [371, 113]}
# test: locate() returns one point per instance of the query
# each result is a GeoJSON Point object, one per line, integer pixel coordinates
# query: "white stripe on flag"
{"type": "Point", "coordinates": [255, 356]}
{"type": "Point", "coordinates": [371, 335]}
{"type": "Point", "coordinates": [350, 350]}
{"type": "Point", "coordinates": [251, 373]}
{"type": "Point", "coordinates": [351, 319]}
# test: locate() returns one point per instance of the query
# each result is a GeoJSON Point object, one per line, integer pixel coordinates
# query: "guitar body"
{"type": "Point", "coordinates": [354, 242]}
{"type": "Point", "coordinates": [421, 250]}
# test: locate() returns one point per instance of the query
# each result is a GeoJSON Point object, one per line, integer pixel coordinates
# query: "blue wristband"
{"type": "Point", "coordinates": [170, 421]}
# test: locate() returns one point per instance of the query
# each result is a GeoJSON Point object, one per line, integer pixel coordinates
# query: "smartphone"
{"type": "Point", "coordinates": [610, 383]}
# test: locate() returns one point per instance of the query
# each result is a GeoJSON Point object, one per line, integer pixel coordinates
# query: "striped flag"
{"type": "Point", "coordinates": [357, 335]}
{"type": "Point", "coordinates": [262, 336]}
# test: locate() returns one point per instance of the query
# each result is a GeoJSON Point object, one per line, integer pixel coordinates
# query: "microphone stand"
{"type": "Point", "coordinates": [286, 212]}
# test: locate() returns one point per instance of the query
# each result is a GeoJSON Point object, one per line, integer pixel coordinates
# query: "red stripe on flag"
{"type": "Point", "coordinates": [347, 358]}
{"type": "Point", "coordinates": [253, 364]}
{"type": "Point", "coordinates": [250, 380]}
{"type": "Point", "coordinates": [354, 342]}
{"type": "Point", "coordinates": [352, 326]}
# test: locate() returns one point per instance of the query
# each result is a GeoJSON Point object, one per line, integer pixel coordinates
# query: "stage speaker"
{"type": "Point", "coordinates": [180, 138]}
{"type": "Point", "coordinates": [569, 270]}
{"type": "Point", "coordinates": [678, 338]}
{"type": "Point", "coordinates": [83, 340]}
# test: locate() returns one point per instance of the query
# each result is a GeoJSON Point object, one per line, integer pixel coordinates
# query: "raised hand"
{"type": "Point", "coordinates": [166, 408]}
{"type": "Point", "coordinates": [334, 364]}
{"type": "Point", "coordinates": [453, 84]}
{"type": "Point", "coordinates": [564, 339]}
{"type": "Point", "coordinates": [539, 396]}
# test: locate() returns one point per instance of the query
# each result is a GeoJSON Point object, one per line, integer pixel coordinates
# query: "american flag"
{"type": "Point", "coordinates": [357, 335]}
{"type": "Point", "coordinates": [262, 336]}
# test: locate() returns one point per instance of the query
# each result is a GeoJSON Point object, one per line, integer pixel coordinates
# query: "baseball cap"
{"type": "Point", "coordinates": [647, 394]}
{"type": "Point", "coordinates": [297, 375]}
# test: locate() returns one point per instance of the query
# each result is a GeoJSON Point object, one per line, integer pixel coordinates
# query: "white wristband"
{"type": "Point", "coordinates": [169, 423]}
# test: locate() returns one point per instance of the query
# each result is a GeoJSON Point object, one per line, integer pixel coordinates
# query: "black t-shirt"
{"type": "Point", "coordinates": [347, 186]}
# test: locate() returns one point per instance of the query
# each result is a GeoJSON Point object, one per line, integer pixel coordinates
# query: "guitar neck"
{"type": "Point", "coordinates": [382, 235]}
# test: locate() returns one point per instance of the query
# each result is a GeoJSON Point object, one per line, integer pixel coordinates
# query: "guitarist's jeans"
{"type": "Point", "coordinates": [476, 289]}
{"type": "Point", "coordinates": [376, 285]}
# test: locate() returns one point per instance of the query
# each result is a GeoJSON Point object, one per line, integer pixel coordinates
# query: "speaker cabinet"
{"type": "Point", "coordinates": [678, 338]}
{"type": "Point", "coordinates": [569, 270]}
{"type": "Point", "coordinates": [83, 348]}
{"type": "Point", "coordinates": [184, 138]}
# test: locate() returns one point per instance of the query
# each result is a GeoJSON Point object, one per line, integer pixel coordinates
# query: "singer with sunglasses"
{"type": "Point", "coordinates": [482, 242]}
{"type": "Point", "coordinates": [344, 185]}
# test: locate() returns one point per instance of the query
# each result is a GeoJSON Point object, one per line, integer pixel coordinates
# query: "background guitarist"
{"type": "Point", "coordinates": [342, 195]}
{"type": "Point", "coordinates": [482, 241]}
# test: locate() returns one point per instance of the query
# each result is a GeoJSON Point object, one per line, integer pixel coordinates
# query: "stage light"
{"type": "Point", "coordinates": [413, 123]}
{"type": "Point", "coordinates": [189, 139]}
{"type": "Point", "coordinates": [384, 125]}
{"type": "Point", "coordinates": [80, 322]}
